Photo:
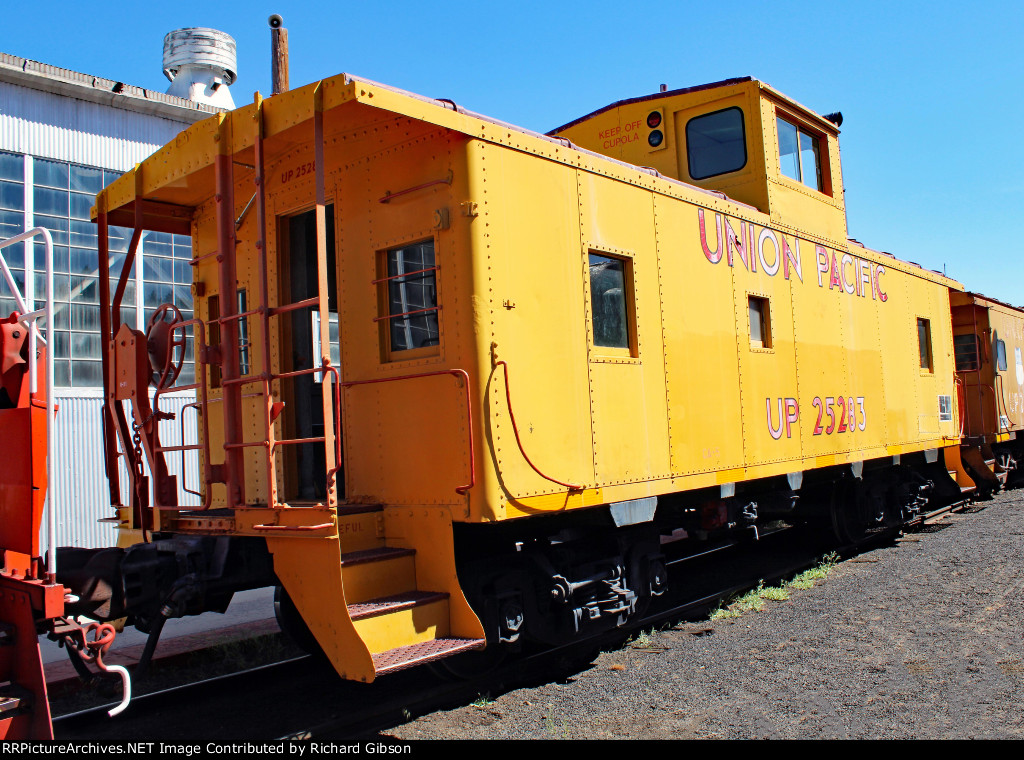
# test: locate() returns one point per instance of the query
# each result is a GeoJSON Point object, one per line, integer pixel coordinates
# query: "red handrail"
{"type": "Point", "coordinates": [515, 429]}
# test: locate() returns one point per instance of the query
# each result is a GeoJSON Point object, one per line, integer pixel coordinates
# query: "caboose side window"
{"type": "Point", "coordinates": [1001, 355]}
{"type": "Point", "coordinates": [760, 322]}
{"type": "Point", "coordinates": [716, 143]}
{"type": "Point", "coordinates": [924, 343]}
{"type": "Point", "coordinates": [965, 352]}
{"type": "Point", "coordinates": [411, 297]}
{"type": "Point", "coordinates": [799, 155]}
{"type": "Point", "coordinates": [609, 289]}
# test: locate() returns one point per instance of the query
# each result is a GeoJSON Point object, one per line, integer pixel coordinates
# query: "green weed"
{"type": "Point", "coordinates": [819, 572]}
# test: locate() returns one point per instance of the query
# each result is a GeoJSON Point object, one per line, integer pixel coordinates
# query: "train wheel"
{"type": "Point", "coordinates": [849, 522]}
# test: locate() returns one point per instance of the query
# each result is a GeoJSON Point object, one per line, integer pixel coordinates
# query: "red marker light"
{"type": "Point", "coordinates": [654, 119]}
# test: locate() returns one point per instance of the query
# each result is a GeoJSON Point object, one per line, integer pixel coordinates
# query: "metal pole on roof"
{"type": "Point", "coordinates": [278, 55]}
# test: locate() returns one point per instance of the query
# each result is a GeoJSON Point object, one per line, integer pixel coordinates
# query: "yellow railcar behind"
{"type": "Point", "coordinates": [988, 338]}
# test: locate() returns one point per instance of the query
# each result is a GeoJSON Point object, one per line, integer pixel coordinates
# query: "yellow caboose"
{"type": "Point", "coordinates": [460, 383]}
{"type": "Point", "coordinates": [988, 338]}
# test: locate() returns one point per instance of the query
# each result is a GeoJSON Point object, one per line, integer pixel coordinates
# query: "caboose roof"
{"type": "Point", "coordinates": [178, 177]}
{"type": "Point", "coordinates": [804, 111]}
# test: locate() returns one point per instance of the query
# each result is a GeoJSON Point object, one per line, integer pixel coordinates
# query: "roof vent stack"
{"type": "Point", "coordinates": [201, 64]}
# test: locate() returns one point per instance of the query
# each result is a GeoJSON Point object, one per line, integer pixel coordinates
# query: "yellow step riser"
{"type": "Point", "coordinates": [403, 627]}
{"type": "Point", "coordinates": [359, 532]}
{"type": "Point", "coordinates": [373, 580]}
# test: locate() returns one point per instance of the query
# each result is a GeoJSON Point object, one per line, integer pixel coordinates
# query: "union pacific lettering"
{"type": "Point", "coordinates": [774, 252]}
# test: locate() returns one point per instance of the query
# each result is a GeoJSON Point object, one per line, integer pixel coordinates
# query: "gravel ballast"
{"type": "Point", "coordinates": [921, 638]}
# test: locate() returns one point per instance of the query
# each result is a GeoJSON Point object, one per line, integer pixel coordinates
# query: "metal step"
{"type": "Point", "coordinates": [394, 603]}
{"type": "Point", "coordinates": [375, 555]}
{"type": "Point", "coordinates": [418, 654]}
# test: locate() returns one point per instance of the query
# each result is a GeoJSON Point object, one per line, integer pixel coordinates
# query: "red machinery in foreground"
{"type": "Point", "coordinates": [31, 600]}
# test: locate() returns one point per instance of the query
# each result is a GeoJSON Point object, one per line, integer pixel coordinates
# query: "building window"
{"type": "Point", "coordinates": [410, 288]}
{"type": "Point", "coordinates": [799, 155]}
{"type": "Point", "coordinates": [60, 196]}
{"type": "Point", "coordinates": [12, 222]}
{"type": "Point", "coordinates": [610, 288]}
{"type": "Point", "coordinates": [924, 343]}
{"type": "Point", "coordinates": [167, 278]}
{"type": "Point", "coordinates": [1001, 355]}
{"type": "Point", "coordinates": [716, 143]}
{"type": "Point", "coordinates": [760, 322]}
{"type": "Point", "coordinates": [965, 352]}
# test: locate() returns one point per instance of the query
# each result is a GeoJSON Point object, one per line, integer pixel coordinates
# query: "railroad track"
{"type": "Point", "coordinates": [300, 698]}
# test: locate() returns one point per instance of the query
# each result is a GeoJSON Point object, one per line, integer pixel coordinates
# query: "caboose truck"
{"type": "Point", "coordinates": [460, 384]}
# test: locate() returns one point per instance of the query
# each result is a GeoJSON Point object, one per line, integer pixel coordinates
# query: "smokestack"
{"type": "Point", "coordinates": [278, 55]}
{"type": "Point", "coordinates": [201, 64]}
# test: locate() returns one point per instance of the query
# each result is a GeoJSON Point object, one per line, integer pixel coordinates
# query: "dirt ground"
{"type": "Point", "coordinates": [921, 638]}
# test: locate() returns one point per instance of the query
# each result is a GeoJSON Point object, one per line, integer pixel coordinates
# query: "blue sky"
{"type": "Point", "coordinates": [930, 92]}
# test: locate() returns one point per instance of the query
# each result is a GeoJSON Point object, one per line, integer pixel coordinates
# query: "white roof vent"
{"type": "Point", "coordinates": [201, 64]}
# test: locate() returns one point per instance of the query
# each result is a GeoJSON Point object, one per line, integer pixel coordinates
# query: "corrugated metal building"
{"type": "Point", "coordinates": [63, 136]}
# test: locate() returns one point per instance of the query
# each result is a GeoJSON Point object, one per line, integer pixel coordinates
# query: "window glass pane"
{"type": "Point", "coordinates": [61, 289]}
{"type": "Point", "coordinates": [84, 234]}
{"type": "Point", "coordinates": [19, 279]}
{"type": "Point", "coordinates": [118, 239]}
{"type": "Point", "coordinates": [84, 261]}
{"type": "Point", "coordinates": [156, 268]}
{"type": "Point", "coordinates": [12, 196]}
{"type": "Point", "coordinates": [61, 344]}
{"type": "Point", "coordinates": [183, 298]}
{"type": "Point", "coordinates": [924, 343]}
{"type": "Point", "coordinates": [1001, 355]}
{"type": "Point", "coordinates": [60, 258]}
{"type": "Point", "coordinates": [62, 316]}
{"type": "Point", "coordinates": [48, 201]}
{"type": "Point", "coordinates": [85, 317]}
{"type": "Point", "coordinates": [11, 223]}
{"type": "Point", "coordinates": [715, 143]}
{"type": "Point", "coordinates": [789, 158]}
{"type": "Point", "coordinates": [157, 293]}
{"type": "Point", "coordinates": [81, 205]}
{"type": "Point", "coordinates": [12, 166]}
{"type": "Point", "coordinates": [85, 345]}
{"type": "Point", "coordinates": [128, 299]}
{"type": "Point", "coordinates": [58, 228]}
{"type": "Point", "coordinates": [50, 173]}
{"type": "Point", "coordinates": [182, 272]}
{"type": "Point", "coordinates": [84, 290]}
{"type": "Point", "coordinates": [62, 373]}
{"type": "Point", "coordinates": [128, 315]}
{"type": "Point", "coordinates": [14, 255]}
{"type": "Point", "coordinates": [85, 179]}
{"type": "Point", "coordinates": [966, 352]}
{"type": "Point", "coordinates": [756, 335]}
{"type": "Point", "coordinates": [608, 301]}
{"type": "Point", "coordinates": [414, 292]}
{"type": "Point", "coordinates": [809, 164]}
{"type": "Point", "coordinates": [86, 374]}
